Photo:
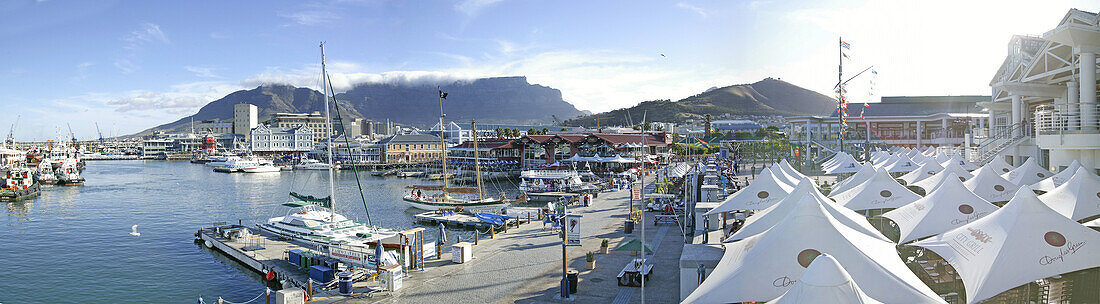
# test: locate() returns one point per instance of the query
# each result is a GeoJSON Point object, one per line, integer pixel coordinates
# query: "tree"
{"type": "Point", "coordinates": [500, 132]}
{"type": "Point", "coordinates": [564, 129]}
{"type": "Point", "coordinates": [660, 128]}
{"type": "Point", "coordinates": [544, 131]}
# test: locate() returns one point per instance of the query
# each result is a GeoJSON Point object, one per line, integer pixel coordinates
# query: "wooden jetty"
{"type": "Point", "coordinates": [259, 252]}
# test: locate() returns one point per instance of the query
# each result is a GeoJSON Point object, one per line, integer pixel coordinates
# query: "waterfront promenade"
{"type": "Point", "coordinates": [524, 265]}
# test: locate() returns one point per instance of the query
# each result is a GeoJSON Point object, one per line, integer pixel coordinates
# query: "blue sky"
{"type": "Point", "coordinates": [130, 65]}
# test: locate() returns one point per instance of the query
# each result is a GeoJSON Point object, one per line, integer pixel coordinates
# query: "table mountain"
{"type": "Point", "coordinates": [505, 100]}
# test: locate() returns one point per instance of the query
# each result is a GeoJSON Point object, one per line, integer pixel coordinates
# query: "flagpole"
{"type": "Point", "coordinates": [840, 91]}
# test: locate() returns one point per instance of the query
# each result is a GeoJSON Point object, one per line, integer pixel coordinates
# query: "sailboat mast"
{"type": "Point", "coordinates": [328, 126]}
{"type": "Point", "coordinates": [477, 160]}
{"type": "Point", "coordinates": [442, 143]}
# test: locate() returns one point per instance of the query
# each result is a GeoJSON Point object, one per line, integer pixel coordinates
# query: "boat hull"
{"type": "Point", "coordinates": [433, 206]}
{"type": "Point", "coordinates": [18, 194]}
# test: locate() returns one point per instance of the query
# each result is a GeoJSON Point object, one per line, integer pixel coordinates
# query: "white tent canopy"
{"type": "Point", "coordinates": [1027, 174]}
{"type": "Point", "coordinates": [879, 191]}
{"type": "Point", "coordinates": [999, 165]}
{"type": "Point", "coordinates": [1057, 179]}
{"type": "Point", "coordinates": [1078, 198]}
{"type": "Point", "coordinates": [952, 168]}
{"type": "Point", "coordinates": [824, 282]}
{"type": "Point", "coordinates": [946, 207]}
{"type": "Point", "coordinates": [920, 158]}
{"type": "Point", "coordinates": [926, 170]}
{"type": "Point", "coordinates": [1017, 244]}
{"type": "Point", "coordinates": [763, 267]}
{"type": "Point", "coordinates": [902, 164]}
{"type": "Point", "coordinates": [787, 168]}
{"type": "Point", "coordinates": [942, 157]}
{"type": "Point", "coordinates": [839, 156]}
{"type": "Point", "coordinates": [878, 156]}
{"type": "Point", "coordinates": [861, 176]}
{"type": "Point", "coordinates": [849, 165]}
{"type": "Point", "coordinates": [764, 191]}
{"type": "Point", "coordinates": [990, 186]}
{"type": "Point", "coordinates": [762, 221]}
{"type": "Point", "coordinates": [959, 160]}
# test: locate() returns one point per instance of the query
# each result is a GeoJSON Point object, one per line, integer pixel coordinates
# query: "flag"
{"type": "Point", "coordinates": [845, 54]}
{"type": "Point", "coordinates": [861, 113]}
{"type": "Point", "coordinates": [845, 45]}
{"type": "Point", "coordinates": [442, 94]}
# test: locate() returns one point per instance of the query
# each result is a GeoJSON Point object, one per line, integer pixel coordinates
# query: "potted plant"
{"type": "Point", "coordinates": [590, 258]}
{"type": "Point", "coordinates": [604, 246]}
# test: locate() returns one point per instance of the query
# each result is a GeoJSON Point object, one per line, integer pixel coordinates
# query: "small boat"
{"type": "Point", "coordinates": [19, 184]}
{"type": "Point", "coordinates": [410, 174]}
{"type": "Point", "coordinates": [444, 200]}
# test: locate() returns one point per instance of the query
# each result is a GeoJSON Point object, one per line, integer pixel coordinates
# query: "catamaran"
{"type": "Point", "coordinates": [314, 221]}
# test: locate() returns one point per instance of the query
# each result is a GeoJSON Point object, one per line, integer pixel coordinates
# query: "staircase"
{"type": "Point", "coordinates": [1000, 140]}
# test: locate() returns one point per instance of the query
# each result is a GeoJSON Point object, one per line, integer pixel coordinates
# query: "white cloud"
{"type": "Point", "coordinates": [310, 17]}
{"type": "Point", "coordinates": [82, 70]}
{"type": "Point", "coordinates": [148, 33]}
{"type": "Point", "coordinates": [202, 71]}
{"type": "Point", "coordinates": [126, 66]}
{"type": "Point", "coordinates": [177, 100]}
{"type": "Point", "coordinates": [473, 7]}
{"type": "Point", "coordinates": [694, 9]}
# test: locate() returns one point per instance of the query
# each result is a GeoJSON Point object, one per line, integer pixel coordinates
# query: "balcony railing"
{"type": "Point", "coordinates": [1062, 118]}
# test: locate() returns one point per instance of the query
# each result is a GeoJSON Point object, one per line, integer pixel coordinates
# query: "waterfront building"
{"type": "Point", "coordinates": [497, 153]}
{"type": "Point", "coordinates": [548, 149]}
{"type": "Point", "coordinates": [411, 148]}
{"type": "Point", "coordinates": [214, 126]}
{"type": "Point", "coordinates": [315, 121]}
{"type": "Point", "coordinates": [1044, 97]}
{"type": "Point", "coordinates": [909, 121]}
{"type": "Point", "coordinates": [244, 119]}
{"type": "Point", "coordinates": [281, 141]}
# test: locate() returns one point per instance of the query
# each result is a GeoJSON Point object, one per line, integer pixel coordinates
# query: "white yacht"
{"type": "Point", "coordinates": [311, 223]}
{"type": "Point", "coordinates": [312, 164]}
{"type": "Point", "coordinates": [238, 164]}
{"type": "Point", "coordinates": [261, 168]}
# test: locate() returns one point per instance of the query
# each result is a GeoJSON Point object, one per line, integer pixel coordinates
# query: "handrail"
{"type": "Point", "coordinates": [1061, 118]}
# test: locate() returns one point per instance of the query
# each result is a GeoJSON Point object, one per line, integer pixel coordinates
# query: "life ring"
{"type": "Point", "coordinates": [270, 275]}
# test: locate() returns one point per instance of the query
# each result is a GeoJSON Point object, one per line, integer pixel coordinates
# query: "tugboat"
{"type": "Point", "coordinates": [45, 174]}
{"type": "Point", "coordinates": [18, 184]}
{"type": "Point", "coordinates": [69, 175]}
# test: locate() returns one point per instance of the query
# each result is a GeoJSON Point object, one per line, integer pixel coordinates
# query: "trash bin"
{"type": "Point", "coordinates": [629, 228]}
{"type": "Point", "coordinates": [572, 276]}
{"type": "Point", "coordinates": [345, 282]}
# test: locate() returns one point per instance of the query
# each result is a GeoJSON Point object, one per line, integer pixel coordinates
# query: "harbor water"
{"type": "Point", "coordinates": [73, 244]}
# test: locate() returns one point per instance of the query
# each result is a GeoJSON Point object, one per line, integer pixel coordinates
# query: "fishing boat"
{"type": "Point", "coordinates": [19, 184]}
{"type": "Point", "coordinates": [443, 197]}
{"type": "Point", "coordinates": [314, 221]}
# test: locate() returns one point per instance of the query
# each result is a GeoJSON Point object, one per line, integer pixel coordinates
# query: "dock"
{"type": "Point", "coordinates": [259, 252]}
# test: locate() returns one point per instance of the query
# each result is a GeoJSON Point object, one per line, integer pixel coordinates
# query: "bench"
{"type": "Point", "coordinates": [633, 273]}
{"type": "Point", "coordinates": [665, 218]}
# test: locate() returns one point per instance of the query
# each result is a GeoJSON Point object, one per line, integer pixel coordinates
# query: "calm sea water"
{"type": "Point", "coordinates": [72, 244]}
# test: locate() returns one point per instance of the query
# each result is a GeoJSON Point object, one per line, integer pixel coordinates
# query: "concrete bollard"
{"type": "Point", "coordinates": [477, 236]}
{"type": "Point", "coordinates": [492, 232]}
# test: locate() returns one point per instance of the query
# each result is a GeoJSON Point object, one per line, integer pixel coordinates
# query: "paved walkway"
{"type": "Point", "coordinates": [524, 265]}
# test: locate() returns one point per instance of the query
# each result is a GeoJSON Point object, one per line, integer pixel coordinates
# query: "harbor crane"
{"type": "Point", "coordinates": [10, 141]}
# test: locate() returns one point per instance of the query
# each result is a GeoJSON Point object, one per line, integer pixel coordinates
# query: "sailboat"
{"type": "Point", "coordinates": [443, 199]}
{"type": "Point", "coordinates": [313, 220]}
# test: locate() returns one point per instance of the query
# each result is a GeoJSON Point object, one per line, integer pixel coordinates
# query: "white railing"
{"type": "Point", "coordinates": [999, 140]}
{"type": "Point", "coordinates": [1066, 118]}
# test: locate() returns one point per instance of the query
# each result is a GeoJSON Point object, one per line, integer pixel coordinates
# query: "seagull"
{"type": "Point", "coordinates": [663, 55]}
{"type": "Point", "coordinates": [133, 231]}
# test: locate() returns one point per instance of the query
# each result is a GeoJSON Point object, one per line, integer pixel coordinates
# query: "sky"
{"type": "Point", "coordinates": [131, 65]}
